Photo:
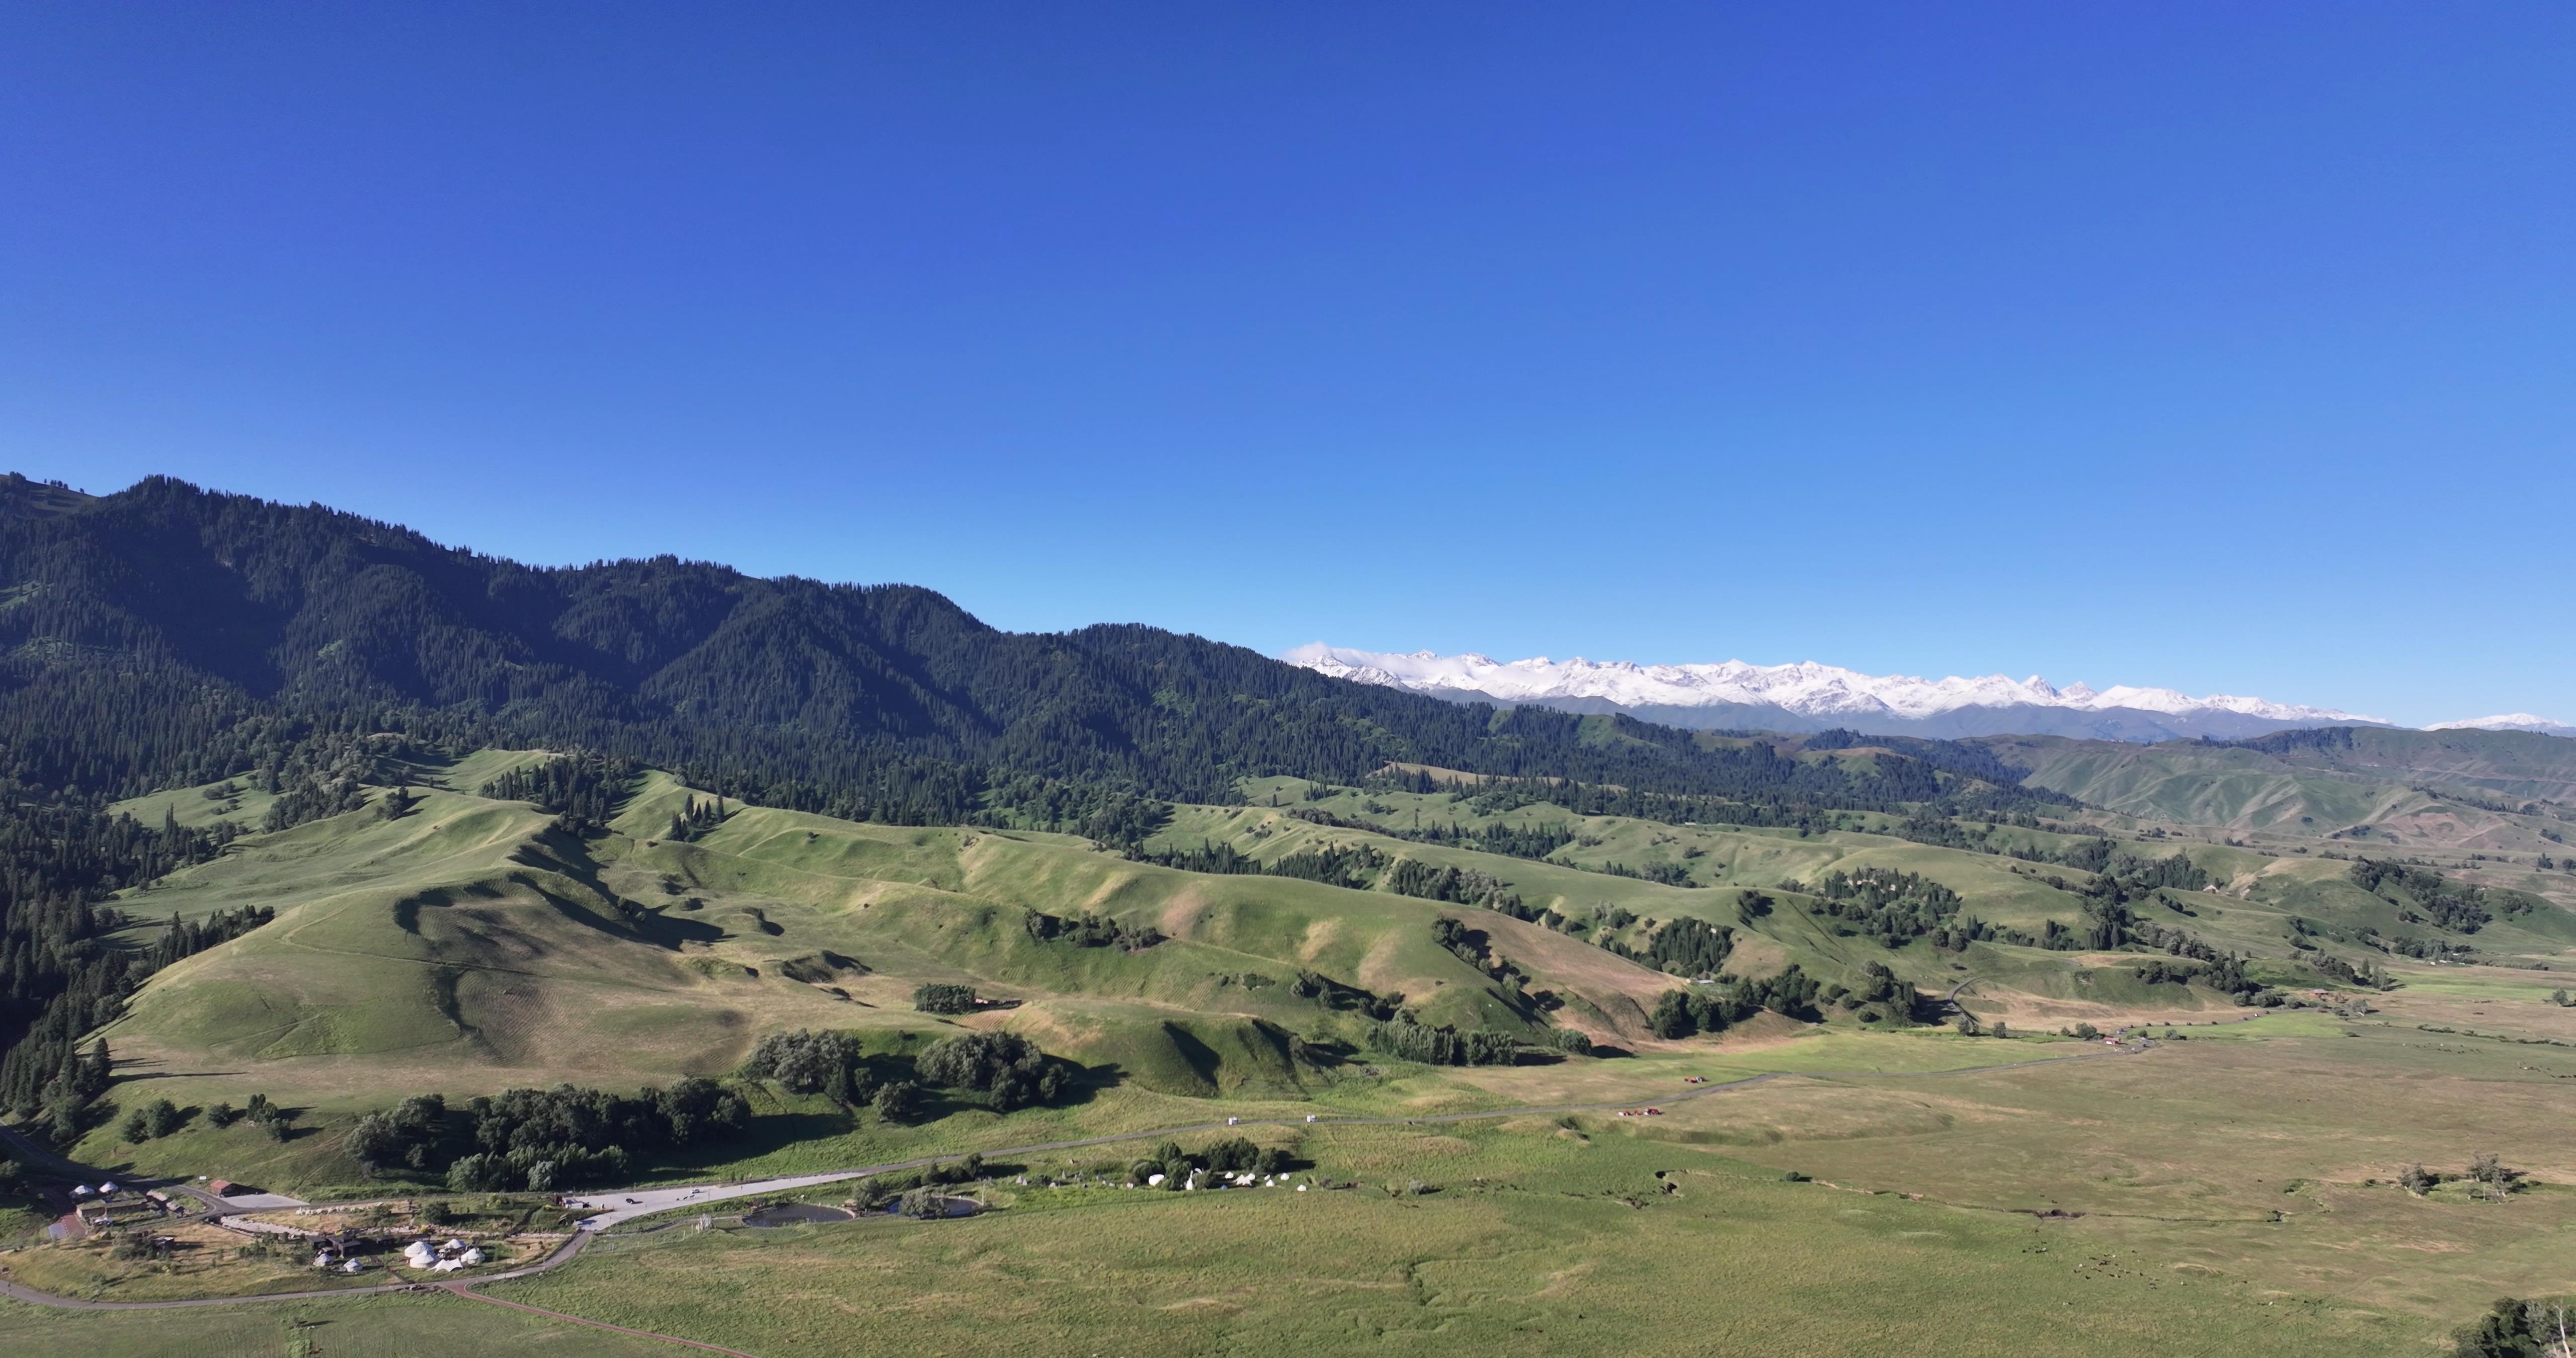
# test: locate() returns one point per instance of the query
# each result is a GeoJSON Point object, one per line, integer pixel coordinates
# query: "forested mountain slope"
{"type": "Point", "coordinates": [166, 635]}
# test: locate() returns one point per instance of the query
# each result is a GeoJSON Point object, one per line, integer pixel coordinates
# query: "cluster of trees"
{"type": "Point", "coordinates": [1090, 931]}
{"type": "Point", "coordinates": [544, 1140]}
{"type": "Point", "coordinates": [2514, 1328]}
{"type": "Point", "coordinates": [1475, 948]}
{"type": "Point", "coordinates": [1350, 865]}
{"type": "Point", "coordinates": [160, 1117]}
{"type": "Point", "coordinates": [276, 1119]}
{"type": "Point", "coordinates": [2137, 874]}
{"type": "Point", "coordinates": [2222, 971]}
{"type": "Point", "coordinates": [2108, 923]}
{"type": "Point", "coordinates": [940, 998]}
{"type": "Point", "coordinates": [1315, 985]}
{"type": "Point", "coordinates": [1235, 1155]}
{"type": "Point", "coordinates": [1663, 872]}
{"type": "Point", "coordinates": [1112, 816]}
{"type": "Point", "coordinates": [411, 1135]}
{"type": "Point", "coordinates": [1891, 907]}
{"type": "Point", "coordinates": [1458, 886]}
{"type": "Point", "coordinates": [337, 791]}
{"type": "Point", "coordinates": [2160, 972]}
{"type": "Point", "coordinates": [1880, 995]}
{"type": "Point", "coordinates": [699, 818]}
{"type": "Point", "coordinates": [1938, 823]}
{"type": "Point", "coordinates": [1006, 1067]}
{"type": "Point", "coordinates": [1406, 1040]}
{"type": "Point", "coordinates": [808, 1062]}
{"type": "Point", "coordinates": [1759, 787]}
{"type": "Point", "coordinates": [60, 975]}
{"type": "Point", "coordinates": [1532, 840]}
{"type": "Point", "coordinates": [1713, 1009]}
{"type": "Point", "coordinates": [583, 792]}
{"type": "Point", "coordinates": [2456, 906]}
{"type": "Point", "coordinates": [1684, 947]}
{"type": "Point", "coordinates": [1680, 1013]}
{"type": "Point", "coordinates": [187, 938]}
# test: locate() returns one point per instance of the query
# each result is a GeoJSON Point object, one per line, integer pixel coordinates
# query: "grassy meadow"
{"type": "Point", "coordinates": [2233, 1188]}
{"type": "Point", "coordinates": [1920, 1226]}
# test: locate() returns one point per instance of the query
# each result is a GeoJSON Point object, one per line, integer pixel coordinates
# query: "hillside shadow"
{"type": "Point", "coordinates": [1089, 1082]}
{"type": "Point", "coordinates": [768, 1133]}
{"type": "Point", "coordinates": [663, 930]}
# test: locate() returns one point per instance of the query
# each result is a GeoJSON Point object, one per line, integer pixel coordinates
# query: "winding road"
{"type": "Point", "coordinates": [613, 1209]}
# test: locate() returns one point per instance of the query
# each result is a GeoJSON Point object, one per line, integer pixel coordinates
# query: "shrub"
{"type": "Point", "coordinates": [809, 1062]}
{"type": "Point", "coordinates": [898, 1101]}
{"type": "Point", "coordinates": [935, 998]}
{"type": "Point", "coordinates": [163, 1116]}
{"type": "Point", "coordinates": [478, 1173]}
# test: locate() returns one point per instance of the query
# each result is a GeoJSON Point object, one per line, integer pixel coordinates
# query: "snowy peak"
{"type": "Point", "coordinates": [1806, 689]}
{"type": "Point", "coordinates": [2510, 721]}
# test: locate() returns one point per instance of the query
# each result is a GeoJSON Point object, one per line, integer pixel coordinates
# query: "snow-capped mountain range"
{"type": "Point", "coordinates": [2510, 721]}
{"type": "Point", "coordinates": [1810, 697]}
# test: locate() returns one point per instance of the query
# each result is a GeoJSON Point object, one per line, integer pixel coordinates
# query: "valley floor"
{"type": "Point", "coordinates": [2231, 1191]}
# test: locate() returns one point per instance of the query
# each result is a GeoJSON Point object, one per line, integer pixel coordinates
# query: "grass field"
{"type": "Point", "coordinates": [373, 1327]}
{"type": "Point", "coordinates": [2231, 1190]}
{"type": "Point", "coordinates": [1678, 1235]}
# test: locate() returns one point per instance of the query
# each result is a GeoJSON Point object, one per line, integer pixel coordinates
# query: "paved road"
{"type": "Point", "coordinates": [618, 1209]}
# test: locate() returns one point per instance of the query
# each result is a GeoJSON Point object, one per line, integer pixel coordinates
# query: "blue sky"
{"type": "Point", "coordinates": [2219, 346]}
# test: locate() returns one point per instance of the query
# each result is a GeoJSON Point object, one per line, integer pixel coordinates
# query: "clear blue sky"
{"type": "Point", "coordinates": [2222, 346]}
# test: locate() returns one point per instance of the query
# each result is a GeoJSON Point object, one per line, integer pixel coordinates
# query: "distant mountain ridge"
{"type": "Point", "coordinates": [168, 636]}
{"type": "Point", "coordinates": [2510, 721]}
{"type": "Point", "coordinates": [1812, 697]}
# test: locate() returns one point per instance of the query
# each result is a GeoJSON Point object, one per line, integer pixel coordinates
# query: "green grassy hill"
{"type": "Point", "coordinates": [2415, 800]}
{"type": "Point", "coordinates": [472, 945]}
